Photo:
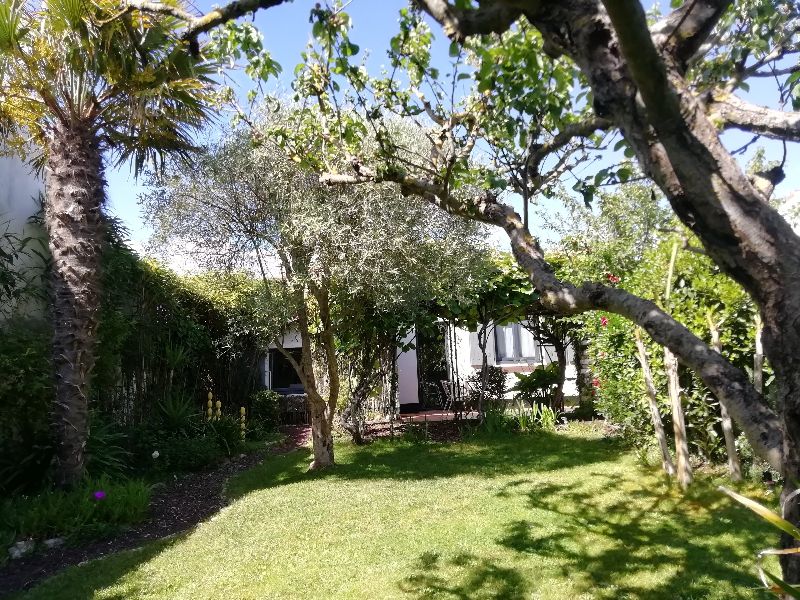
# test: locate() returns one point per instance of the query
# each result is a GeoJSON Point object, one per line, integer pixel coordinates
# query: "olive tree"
{"type": "Point", "coordinates": [326, 256]}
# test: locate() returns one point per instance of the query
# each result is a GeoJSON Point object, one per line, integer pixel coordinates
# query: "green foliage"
{"type": "Point", "coordinates": [536, 387]}
{"type": "Point", "coordinates": [181, 454]}
{"type": "Point", "coordinates": [773, 583]}
{"type": "Point", "coordinates": [77, 513]}
{"type": "Point", "coordinates": [416, 433]}
{"type": "Point", "coordinates": [163, 341]}
{"type": "Point", "coordinates": [178, 414]}
{"type": "Point", "coordinates": [265, 412]}
{"type": "Point", "coordinates": [25, 396]}
{"type": "Point", "coordinates": [495, 392]}
{"type": "Point", "coordinates": [506, 295]}
{"type": "Point", "coordinates": [107, 453]}
{"type": "Point", "coordinates": [226, 433]}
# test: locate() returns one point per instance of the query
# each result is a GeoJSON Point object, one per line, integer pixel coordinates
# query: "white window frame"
{"type": "Point", "coordinates": [516, 329]}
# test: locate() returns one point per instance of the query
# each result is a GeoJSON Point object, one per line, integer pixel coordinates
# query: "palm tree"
{"type": "Point", "coordinates": [82, 81]}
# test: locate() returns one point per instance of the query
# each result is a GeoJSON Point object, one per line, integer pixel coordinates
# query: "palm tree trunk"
{"type": "Point", "coordinates": [74, 195]}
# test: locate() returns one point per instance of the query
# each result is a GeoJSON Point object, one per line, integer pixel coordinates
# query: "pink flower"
{"type": "Point", "coordinates": [99, 495]}
{"type": "Point", "coordinates": [596, 382]}
{"type": "Point", "coordinates": [612, 278]}
{"type": "Point", "coordinates": [604, 321]}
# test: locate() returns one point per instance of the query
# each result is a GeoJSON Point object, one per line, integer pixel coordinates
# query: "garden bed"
{"type": "Point", "coordinates": [175, 506]}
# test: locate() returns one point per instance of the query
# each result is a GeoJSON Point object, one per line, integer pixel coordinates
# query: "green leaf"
{"type": "Point", "coordinates": [794, 592]}
{"type": "Point", "coordinates": [455, 49]}
{"type": "Point", "coordinates": [763, 512]}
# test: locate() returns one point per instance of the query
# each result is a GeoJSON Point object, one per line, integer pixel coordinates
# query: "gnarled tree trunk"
{"type": "Point", "coordinates": [74, 194]}
{"type": "Point", "coordinates": [321, 436]}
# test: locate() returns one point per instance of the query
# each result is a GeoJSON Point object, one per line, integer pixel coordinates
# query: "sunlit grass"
{"type": "Point", "coordinates": [546, 516]}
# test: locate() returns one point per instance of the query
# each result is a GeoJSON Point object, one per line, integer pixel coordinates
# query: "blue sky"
{"type": "Point", "coordinates": [286, 32]}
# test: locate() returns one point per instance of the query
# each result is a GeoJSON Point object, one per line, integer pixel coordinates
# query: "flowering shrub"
{"type": "Point", "coordinates": [92, 509]}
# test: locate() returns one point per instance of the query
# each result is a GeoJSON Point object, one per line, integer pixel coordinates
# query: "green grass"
{"type": "Point", "coordinates": [545, 516]}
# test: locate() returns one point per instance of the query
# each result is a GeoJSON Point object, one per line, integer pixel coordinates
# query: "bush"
{"type": "Point", "coordinates": [106, 449]}
{"type": "Point", "coordinates": [495, 388]}
{"type": "Point", "coordinates": [226, 432]}
{"type": "Point", "coordinates": [186, 454]}
{"type": "Point", "coordinates": [25, 402]}
{"type": "Point", "coordinates": [265, 412]}
{"type": "Point", "coordinates": [97, 507]}
{"type": "Point", "coordinates": [178, 414]}
{"type": "Point", "coordinates": [537, 386]}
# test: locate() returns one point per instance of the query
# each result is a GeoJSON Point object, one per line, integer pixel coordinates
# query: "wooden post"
{"type": "Point", "coordinates": [734, 468]}
{"type": "Point", "coordinates": [655, 414]}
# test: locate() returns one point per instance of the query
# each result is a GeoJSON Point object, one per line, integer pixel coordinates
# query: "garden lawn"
{"type": "Point", "coordinates": [568, 515]}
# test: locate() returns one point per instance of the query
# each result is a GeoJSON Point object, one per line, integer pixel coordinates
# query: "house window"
{"type": "Point", "coordinates": [515, 343]}
{"type": "Point", "coordinates": [281, 375]}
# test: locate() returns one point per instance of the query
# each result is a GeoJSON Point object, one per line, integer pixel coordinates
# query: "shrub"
{"type": "Point", "coordinates": [265, 411]}
{"type": "Point", "coordinates": [176, 454]}
{"type": "Point", "coordinates": [25, 401]}
{"type": "Point", "coordinates": [415, 433]}
{"type": "Point", "coordinates": [96, 507]}
{"type": "Point", "coordinates": [537, 386]}
{"type": "Point", "coordinates": [495, 387]}
{"type": "Point", "coordinates": [178, 414]}
{"type": "Point", "coordinates": [226, 432]}
{"type": "Point", "coordinates": [106, 449]}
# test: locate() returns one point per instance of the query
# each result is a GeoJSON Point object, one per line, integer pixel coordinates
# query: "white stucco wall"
{"type": "Point", "coordinates": [19, 192]}
{"type": "Point", "coordinates": [290, 340]}
{"type": "Point", "coordinates": [469, 360]}
{"type": "Point", "coordinates": [407, 382]}
{"type": "Point", "coordinates": [19, 200]}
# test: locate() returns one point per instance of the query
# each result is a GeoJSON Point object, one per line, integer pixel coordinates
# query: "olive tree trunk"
{"type": "Point", "coordinates": [74, 194]}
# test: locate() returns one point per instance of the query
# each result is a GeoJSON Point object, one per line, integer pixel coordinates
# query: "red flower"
{"type": "Point", "coordinates": [612, 278]}
{"type": "Point", "coordinates": [596, 382]}
{"type": "Point", "coordinates": [604, 321]}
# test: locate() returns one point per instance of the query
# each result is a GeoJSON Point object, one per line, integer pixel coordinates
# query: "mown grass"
{"type": "Point", "coordinates": [569, 515]}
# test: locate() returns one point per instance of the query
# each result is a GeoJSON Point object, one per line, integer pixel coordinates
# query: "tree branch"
{"type": "Point", "coordinates": [686, 28]}
{"type": "Point", "coordinates": [583, 128]}
{"type": "Point", "coordinates": [197, 25]}
{"type": "Point", "coordinates": [730, 385]}
{"type": "Point", "coordinates": [458, 24]}
{"type": "Point", "coordinates": [734, 113]}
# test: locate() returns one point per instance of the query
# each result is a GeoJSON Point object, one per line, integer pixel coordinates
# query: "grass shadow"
{"type": "Point", "coordinates": [463, 576]}
{"type": "Point", "coordinates": [483, 455]}
{"type": "Point", "coordinates": [72, 584]}
{"type": "Point", "coordinates": [688, 534]}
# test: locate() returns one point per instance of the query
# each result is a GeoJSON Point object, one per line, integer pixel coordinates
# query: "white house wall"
{"type": "Point", "coordinates": [289, 340]}
{"type": "Point", "coordinates": [19, 201]}
{"type": "Point", "coordinates": [469, 360]}
{"type": "Point", "coordinates": [407, 380]}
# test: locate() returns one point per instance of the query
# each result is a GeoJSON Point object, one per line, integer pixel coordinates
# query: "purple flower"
{"type": "Point", "coordinates": [99, 495]}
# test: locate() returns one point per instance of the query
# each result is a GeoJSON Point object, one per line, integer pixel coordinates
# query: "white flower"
{"type": "Point", "coordinates": [156, 454]}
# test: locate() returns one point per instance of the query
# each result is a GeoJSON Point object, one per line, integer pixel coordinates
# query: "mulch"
{"type": "Point", "coordinates": [176, 507]}
{"type": "Point", "coordinates": [435, 431]}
